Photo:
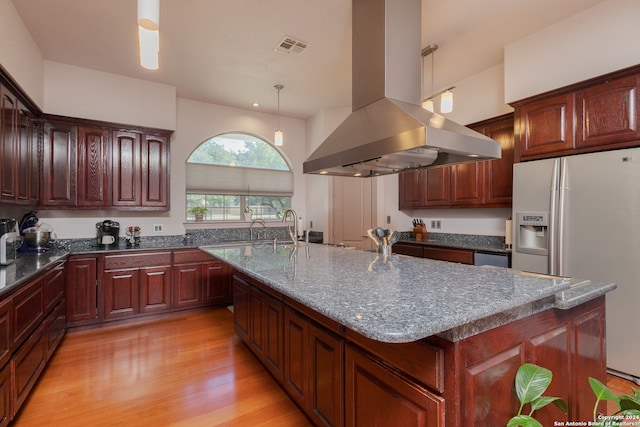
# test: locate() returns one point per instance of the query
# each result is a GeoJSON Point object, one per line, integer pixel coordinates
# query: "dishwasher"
{"type": "Point", "coordinates": [491, 258]}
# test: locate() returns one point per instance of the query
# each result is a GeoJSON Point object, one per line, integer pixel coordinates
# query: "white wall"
{"type": "Point", "coordinates": [89, 94]}
{"type": "Point", "coordinates": [596, 41]}
{"type": "Point", "coordinates": [19, 54]}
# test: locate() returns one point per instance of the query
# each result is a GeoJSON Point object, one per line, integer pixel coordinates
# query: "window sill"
{"type": "Point", "coordinates": [212, 225]}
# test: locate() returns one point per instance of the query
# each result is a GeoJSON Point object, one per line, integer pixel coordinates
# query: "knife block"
{"type": "Point", "coordinates": [421, 233]}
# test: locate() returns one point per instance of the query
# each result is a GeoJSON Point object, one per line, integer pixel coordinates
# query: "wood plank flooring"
{"type": "Point", "coordinates": [186, 370]}
{"type": "Point", "coordinates": [189, 370]}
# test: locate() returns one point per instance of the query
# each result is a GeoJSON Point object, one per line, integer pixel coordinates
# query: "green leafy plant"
{"type": "Point", "coordinates": [197, 210]}
{"type": "Point", "coordinates": [533, 380]}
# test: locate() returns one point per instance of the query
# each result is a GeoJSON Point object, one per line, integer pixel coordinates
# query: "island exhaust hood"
{"type": "Point", "coordinates": [388, 131]}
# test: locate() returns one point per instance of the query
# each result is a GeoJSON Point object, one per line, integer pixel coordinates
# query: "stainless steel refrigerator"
{"type": "Point", "coordinates": [579, 216]}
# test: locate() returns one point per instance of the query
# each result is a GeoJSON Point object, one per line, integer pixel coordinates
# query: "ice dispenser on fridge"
{"type": "Point", "coordinates": [532, 232]}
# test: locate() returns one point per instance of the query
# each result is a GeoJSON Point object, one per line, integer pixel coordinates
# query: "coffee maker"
{"type": "Point", "coordinates": [107, 233]}
{"type": "Point", "coordinates": [8, 237]}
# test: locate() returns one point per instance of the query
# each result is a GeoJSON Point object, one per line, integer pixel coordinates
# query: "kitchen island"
{"type": "Point", "coordinates": [357, 339]}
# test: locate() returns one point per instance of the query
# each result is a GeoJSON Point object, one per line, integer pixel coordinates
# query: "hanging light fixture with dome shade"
{"type": "Point", "coordinates": [278, 137]}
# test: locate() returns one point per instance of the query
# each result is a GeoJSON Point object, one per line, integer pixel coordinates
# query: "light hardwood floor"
{"type": "Point", "coordinates": [186, 370]}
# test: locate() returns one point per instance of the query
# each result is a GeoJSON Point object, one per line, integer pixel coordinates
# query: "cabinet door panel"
{"type": "Point", "coordinates": [155, 289]}
{"type": "Point", "coordinates": [155, 171]}
{"type": "Point", "coordinates": [377, 396]}
{"type": "Point", "coordinates": [296, 372]}
{"type": "Point", "coordinates": [126, 179]}
{"type": "Point", "coordinates": [81, 289]}
{"type": "Point", "coordinates": [410, 195]}
{"type": "Point", "coordinates": [8, 117]}
{"type": "Point", "coordinates": [59, 165]}
{"type": "Point", "coordinates": [257, 303]}
{"type": "Point", "coordinates": [274, 337]}
{"type": "Point", "coordinates": [327, 377]}
{"type": "Point", "coordinates": [498, 174]}
{"type": "Point", "coordinates": [215, 283]}
{"type": "Point", "coordinates": [546, 126]}
{"type": "Point", "coordinates": [54, 286]}
{"type": "Point", "coordinates": [121, 293]}
{"type": "Point", "coordinates": [27, 146]}
{"type": "Point", "coordinates": [5, 396]}
{"type": "Point", "coordinates": [436, 186]}
{"type": "Point", "coordinates": [27, 364]}
{"type": "Point", "coordinates": [467, 184]}
{"type": "Point", "coordinates": [5, 331]}
{"type": "Point", "coordinates": [28, 310]}
{"type": "Point", "coordinates": [241, 314]}
{"type": "Point", "coordinates": [93, 167]}
{"type": "Point", "coordinates": [187, 285]}
{"type": "Point", "coordinates": [609, 113]}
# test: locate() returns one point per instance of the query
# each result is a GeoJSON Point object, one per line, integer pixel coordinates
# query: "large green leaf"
{"type": "Point", "coordinates": [629, 402]}
{"type": "Point", "coordinates": [601, 391]}
{"type": "Point", "coordinates": [531, 382]}
{"type": "Point", "coordinates": [523, 421]}
{"type": "Point", "coordinates": [543, 401]}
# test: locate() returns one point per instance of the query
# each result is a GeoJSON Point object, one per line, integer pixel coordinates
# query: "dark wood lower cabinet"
{"type": "Point", "coordinates": [82, 290]}
{"type": "Point", "coordinates": [5, 396]}
{"type": "Point", "coordinates": [375, 395]}
{"type": "Point", "coordinates": [38, 324]}
{"type": "Point", "coordinates": [339, 377]}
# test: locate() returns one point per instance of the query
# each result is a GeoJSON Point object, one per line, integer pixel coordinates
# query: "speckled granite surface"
{"type": "Point", "coordinates": [474, 242]}
{"type": "Point", "coordinates": [26, 265]}
{"type": "Point", "coordinates": [29, 263]}
{"type": "Point", "coordinates": [402, 298]}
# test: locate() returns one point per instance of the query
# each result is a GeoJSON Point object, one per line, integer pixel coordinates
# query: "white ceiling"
{"type": "Point", "coordinates": [221, 51]}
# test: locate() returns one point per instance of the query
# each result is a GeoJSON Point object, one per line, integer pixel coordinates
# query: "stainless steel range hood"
{"type": "Point", "coordinates": [388, 131]}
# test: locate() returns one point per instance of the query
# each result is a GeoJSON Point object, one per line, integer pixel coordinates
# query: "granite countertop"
{"type": "Point", "coordinates": [491, 244]}
{"type": "Point", "coordinates": [402, 298]}
{"type": "Point", "coordinates": [26, 265]}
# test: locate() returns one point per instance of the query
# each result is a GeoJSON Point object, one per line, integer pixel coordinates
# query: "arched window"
{"type": "Point", "coordinates": [234, 174]}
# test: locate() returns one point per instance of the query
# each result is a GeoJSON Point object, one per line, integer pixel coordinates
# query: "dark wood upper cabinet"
{"type": "Point", "coordinates": [59, 165]}
{"type": "Point", "coordinates": [96, 165]}
{"type": "Point", "coordinates": [594, 115]}
{"type": "Point", "coordinates": [608, 113]}
{"type": "Point", "coordinates": [126, 174]}
{"type": "Point", "coordinates": [468, 185]}
{"type": "Point", "coordinates": [93, 167]}
{"type": "Point", "coordinates": [155, 171]}
{"type": "Point", "coordinates": [546, 126]}
{"type": "Point", "coordinates": [19, 172]}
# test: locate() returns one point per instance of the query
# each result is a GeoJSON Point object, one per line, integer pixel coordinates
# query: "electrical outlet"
{"type": "Point", "coordinates": [436, 224]}
{"type": "Point", "coordinates": [310, 224]}
{"type": "Point", "coordinates": [158, 228]}
{"type": "Point", "coordinates": [433, 223]}
{"type": "Point", "coordinates": [388, 219]}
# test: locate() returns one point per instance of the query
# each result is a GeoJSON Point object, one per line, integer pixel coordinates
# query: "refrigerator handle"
{"type": "Point", "coordinates": [561, 216]}
{"type": "Point", "coordinates": [552, 259]}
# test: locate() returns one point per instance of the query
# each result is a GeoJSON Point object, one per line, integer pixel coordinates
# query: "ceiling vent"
{"type": "Point", "coordinates": [291, 46]}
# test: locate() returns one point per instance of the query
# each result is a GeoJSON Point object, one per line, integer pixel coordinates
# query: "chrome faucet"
{"type": "Point", "coordinates": [259, 221]}
{"type": "Point", "coordinates": [294, 235]}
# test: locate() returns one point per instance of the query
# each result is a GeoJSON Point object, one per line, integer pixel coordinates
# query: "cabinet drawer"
{"type": "Point", "coordinates": [452, 255]}
{"type": "Point", "coordinates": [418, 359]}
{"type": "Point", "coordinates": [130, 260]}
{"type": "Point", "coordinates": [54, 285]}
{"type": "Point", "coordinates": [190, 255]}
{"type": "Point", "coordinates": [28, 310]}
{"type": "Point", "coordinates": [412, 250]}
{"type": "Point", "coordinates": [5, 331]}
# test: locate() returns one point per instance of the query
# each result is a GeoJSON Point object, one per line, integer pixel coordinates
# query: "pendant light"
{"type": "Point", "coordinates": [278, 137]}
{"type": "Point", "coordinates": [446, 96]}
{"type": "Point", "coordinates": [148, 32]}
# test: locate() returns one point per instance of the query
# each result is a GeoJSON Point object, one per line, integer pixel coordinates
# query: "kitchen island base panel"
{"type": "Point", "coordinates": [435, 381]}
